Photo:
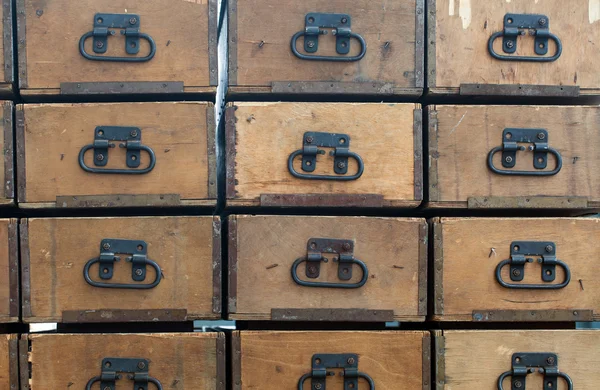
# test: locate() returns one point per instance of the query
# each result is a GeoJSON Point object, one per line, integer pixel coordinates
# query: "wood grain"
{"type": "Point", "coordinates": [277, 360]}
{"type": "Point", "coordinates": [5, 360]}
{"type": "Point", "coordinates": [468, 256]}
{"type": "Point", "coordinates": [463, 30]}
{"type": "Point", "coordinates": [268, 245]}
{"type": "Point", "coordinates": [178, 360]}
{"type": "Point", "coordinates": [3, 179]}
{"type": "Point", "coordinates": [267, 133]}
{"type": "Point", "coordinates": [55, 133]}
{"type": "Point", "coordinates": [475, 359]}
{"type": "Point", "coordinates": [273, 23]}
{"type": "Point", "coordinates": [5, 295]}
{"type": "Point", "coordinates": [466, 134]}
{"type": "Point", "coordinates": [60, 247]}
{"type": "Point", "coordinates": [179, 28]}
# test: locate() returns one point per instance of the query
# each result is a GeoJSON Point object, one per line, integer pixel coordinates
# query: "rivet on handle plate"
{"type": "Point", "coordinates": [524, 364]}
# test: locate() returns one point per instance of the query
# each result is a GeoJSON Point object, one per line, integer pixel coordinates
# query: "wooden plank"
{"type": "Point", "coordinates": [388, 246]}
{"type": "Point", "coordinates": [267, 133]}
{"type": "Point", "coordinates": [55, 133]}
{"type": "Point", "coordinates": [177, 360]}
{"type": "Point", "coordinates": [475, 359]}
{"type": "Point", "coordinates": [461, 41]}
{"type": "Point", "coordinates": [7, 377]}
{"type": "Point", "coordinates": [6, 145]}
{"type": "Point", "coordinates": [262, 31]}
{"type": "Point", "coordinates": [60, 247]}
{"type": "Point", "coordinates": [466, 134]}
{"type": "Point", "coordinates": [266, 365]}
{"type": "Point", "coordinates": [179, 28]}
{"type": "Point", "coordinates": [473, 247]}
{"type": "Point", "coordinates": [7, 289]}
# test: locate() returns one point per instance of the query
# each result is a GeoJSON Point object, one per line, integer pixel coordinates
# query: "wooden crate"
{"type": "Point", "coordinates": [277, 360]}
{"type": "Point", "coordinates": [470, 251]}
{"type": "Point", "coordinates": [459, 60]}
{"type": "Point", "coordinates": [7, 69]}
{"type": "Point", "coordinates": [9, 271]}
{"type": "Point", "coordinates": [461, 139]}
{"type": "Point", "coordinates": [50, 62]}
{"type": "Point", "coordinates": [56, 251]}
{"type": "Point", "coordinates": [9, 363]}
{"type": "Point", "coordinates": [393, 250]}
{"type": "Point", "coordinates": [470, 359]}
{"type": "Point", "coordinates": [176, 360]}
{"type": "Point", "coordinates": [50, 138]}
{"type": "Point", "coordinates": [261, 138]}
{"type": "Point", "coordinates": [7, 177]}
{"type": "Point", "coordinates": [261, 58]}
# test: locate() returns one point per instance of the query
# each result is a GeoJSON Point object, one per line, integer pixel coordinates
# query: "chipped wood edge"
{"type": "Point", "coordinates": [213, 25]}
{"type": "Point", "coordinates": [418, 152]}
{"type": "Point", "coordinates": [25, 272]}
{"type": "Point", "coordinates": [13, 355]}
{"type": "Point", "coordinates": [434, 187]}
{"type": "Point", "coordinates": [423, 241]}
{"type": "Point", "coordinates": [440, 359]}
{"type": "Point", "coordinates": [22, 46]}
{"type": "Point", "coordinates": [211, 132]}
{"type": "Point", "coordinates": [230, 152]}
{"type": "Point", "coordinates": [233, 36]}
{"type": "Point", "coordinates": [20, 148]}
{"type": "Point", "coordinates": [419, 43]}
{"type": "Point", "coordinates": [216, 265]}
{"type": "Point", "coordinates": [221, 362]}
{"type": "Point", "coordinates": [9, 169]}
{"type": "Point", "coordinates": [426, 361]}
{"type": "Point", "coordinates": [438, 266]}
{"type": "Point", "coordinates": [431, 41]}
{"type": "Point", "coordinates": [13, 265]}
{"type": "Point", "coordinates": [232, 264]}
{"type": "Point", "coordinates": [236, 360]}
{"type": "Point", "coordinates": [24, 362]}
{"type": "Point", "coordinates": [7, 26]}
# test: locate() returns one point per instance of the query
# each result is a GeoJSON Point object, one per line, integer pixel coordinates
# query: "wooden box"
{"type": "Point", "coordinates": [466, 360]}
{"type": "Point", "coordinates": [63, 158]}
{"type": "Point", "coordinates": [280, 360]}
{"type": "Point", "coordinates": [7, 68]}
{"type": "Point", "coordinates": [561, 284]}
{"type": "Point", "coordinates": [262, 35]}
{"type": "Point", "coordinates": [462, 139]}
{"type": "Point", "coordinates": [176, 360]}
{"type": "Point", "coordinates": [380, 141]}
{"type": "Point", "coordinates": [6, 164]}
{"type": "Point", "coordinates": [62, 260]}
{"type": "Point", "coordinates": [9, 362]}
{"type": "Point", "coordinates": [531, 64]}
{"type": "Point", "coordinates": [383, 277]}
{"type": "Point", "coordinates": [150, 47]}
{"type": "Point", "coordinates": [9, 271]}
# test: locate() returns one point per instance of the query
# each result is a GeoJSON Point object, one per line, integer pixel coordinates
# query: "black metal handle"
{"type": "Point", "coordinates": [310, 176]}
{"type": "Point", "coordinates": [559, 374]}
{"type": "Point", "coordinates": [86, 168]}
{"type": "Point", "coordinates": [502, 57]}
{"type": "Point", "coordinates": [525, 286]}
{"type": "Point", "coordinates": [358, 57]}
{"type": "Point", "coordinates": [497, 149]}
{"type": "Point", "coordinates": [157, 279]}
{"type": "Point", "coordinates": [362, 265]}
{"type": "Point", "coordinates": [366, 377]}
{"type": "Point", "coordinates": [92, 57]}
{"type": "Point", "coordinates": [96, 379]}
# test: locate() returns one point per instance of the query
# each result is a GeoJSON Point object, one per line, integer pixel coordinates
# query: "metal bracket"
{"type": "Point", "coordinates": [346, 361]}
{"type": "Point", "coordinates": [511, 138]}
{"type": "Point", "coordinates": [129, 25]}
{"type": "Point", "coordinates": [344, 249]}
{"type": "Point", "coordinates": [112, 368]}
{"type": "Point", "coordinates": [517, 24]}
{"type": "Point", "coordinates": [524, 364]}
{"type": "Point", "coordinates": [310, 149]}
{"type": "Point", "coordinates": [518, 252]}
{"type": "Point", "coordinates": [133, 143]}
{"type": "Point", "coordinates": [109, 247]}
{"type": "Point", "coordinates": [341, 25]}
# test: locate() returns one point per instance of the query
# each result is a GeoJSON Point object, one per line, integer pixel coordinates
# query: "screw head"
{"type": "Point", "coordinates": [106, 246]}
{"type": "Point", "coordinates": [39, 12]}
{"type": "Point", "coordinates": [139, 272]}
{"type": "Point", "coordinates": [100, 157]}
{"type": "Point", "coordinates": [549, 248]}
{"type": "Point", "coordinates": [312, 269]}
{"type": "Point", "coordinates": [99, 44]}
{"type": "Point", "coordinates": [141, 365]}
{"type": "Point", "coordinates": [132, 20]}
{"type": "Point", "coordinates": [133, 133]}
{"type": "Point", "coordinates": [310, 44]}
{"type": "Point", "coordinates": [309, 140]}
{"type": "Point", "coordinates": [516, 272]}
{"type": "Point", "coordinates": [508, 159]}
{"type": "Point", "coordinates": [344, 20]}
{"type": "Point", "coordinates": [341, 165]}
{"type": "Point", "coordinates": [346, 246]}
{"type": "Point", "coordinates": [542, 21]}
{"type": "Point", "coordinates": [350, 360]}
{"type": "Point", "coordinates": [510, 44]}
{"type": "Point", "coordinates": [550, 360]}
{"type": "Point", "coordinates": [518, 384]}
{"type": "Point", "coordinates": [318, 386]}
{"type": "Point", "coordinates": [106, 388]}
{"type": "Point", "coordinates": [541, 135]}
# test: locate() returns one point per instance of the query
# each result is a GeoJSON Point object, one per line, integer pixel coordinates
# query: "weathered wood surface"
{"type": "Point", "coordinates": [53, 28]}
{"type": "Point", "coordinates": [475, 359]}
{"type": "Point", "coordinates": [460, 138]}
{"type": "Point", "coordinates": [53, 135]}
{"type": "Point", "coordinates": [471, 248]}
{"type": "Point", "coordinates": [7, 146]}
{"type": "Point", "coordinates": [390, 247]}
{"type": "Point", "coordinates": [462, 30]}
{"type": "Point", "coordinates": [277, 360]}
{"type": "Point", "coordinates": [178, 360]}
{"type": "Point", "coordinates": [261, 136]}
{"type": "Point", "coordinates": [8, 278]}
{"type": "Point", "coordinates": [60, 247]}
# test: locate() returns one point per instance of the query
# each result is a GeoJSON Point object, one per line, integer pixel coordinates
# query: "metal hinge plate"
{"type": "Point", "coordinates": [129, 24]}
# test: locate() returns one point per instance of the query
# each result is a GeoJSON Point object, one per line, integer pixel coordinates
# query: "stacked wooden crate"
{"type": "Point", "coordinates": [426, 165]}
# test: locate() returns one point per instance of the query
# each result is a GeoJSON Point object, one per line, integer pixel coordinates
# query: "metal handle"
{"type": "Point", "coordinates": [360, 375]}
{"type": "Point", "coordinates": [362, 265]}
{"type": "Point", "coordinates": [157, 279]}
{"type": "Point", "coordinates": [86, 168]}
{"type": "Point", "coordinates": [360, 39]}
{"type": "Point", "coordinates": [117, 59]}
{"type": "Point", "coordinates": [559, 374]}
{"type": "Point", "coordinates": [560, 263]}
{"type": "Point", "coordinates": [497, 149]}
{"type": "Point", "coordinates": [98, 379]}
{"type": "Point", "coordinates": [502, 57]}
{"type": "Point", "coordinates": [310, 176]}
